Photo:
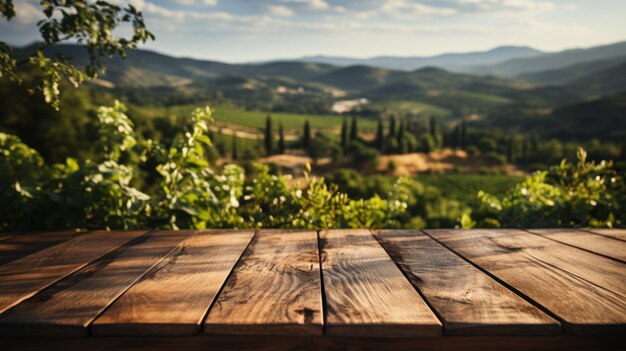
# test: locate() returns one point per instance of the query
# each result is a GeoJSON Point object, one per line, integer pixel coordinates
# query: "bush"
{"type": "Point", "coordinates": [567, 195]}
{"type": "Point", "coordinates": [362, 156]}
{"type": "Point", "coordinates": [186, 191]}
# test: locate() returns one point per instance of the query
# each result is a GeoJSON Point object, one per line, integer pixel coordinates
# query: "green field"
{"type": "Point", "coordinates": [413, 107]}
{"type": "Point", "coordinates": [256, 119]}
{"type": "Point", "coordinates": [464, 187]}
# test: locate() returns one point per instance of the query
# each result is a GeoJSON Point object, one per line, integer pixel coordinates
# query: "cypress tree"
{"type": "Point", "coordinates": [433, 127]}
{"type": "Point", "coordinates": [392, 127]}
{"type": "Point", "coordinates": [354, 132]}
{"type": "Point", "coordinates": [400, 134]}
{"type": "Point", "coordinates": [306, 137]}
{"type": "Point", "coordinates": [400, 138]}
{"type": "Point", "coordinates": [380, 135]}
{"type": "Point", "coordinates": [344, 135]}
{"type": "Point", "coordinates": [281, 139]}
{"type": "Point", "coordinates": [510, 150]}
{"type": "Point", "coordinates": [235, 153]}
{"type": "Point", "coordinates": [408, 123]}
{"type": "Point", "coordinates": [463, 135]}
{"type": "Point", "coordinates": [269, 137]}
{"type": "Point", "coordinates": [534, 145]}
{"type": "Point", "coordinates": [455, 138]}
{"type": "Point", "coordinates": [525, 148]}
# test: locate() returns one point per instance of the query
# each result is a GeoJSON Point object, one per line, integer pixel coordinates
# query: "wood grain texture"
{"type": "Point", "coordinates": [173, 298]}
{"type": "Point", "coordinates": [22, 278]}
{"type": "Point", "coordinates": [66, 308]}
{"type": "Point", "coordinates": [619, 234]}
{"type": "Point", "coordinates": [366, 294]}
{"type": "Point", "coordinates": [586, 292]}
{"type": "Point", "coordinates": [204, 342]}
{"type": "Point", "coordinates": [275, 288]}
{"type": "Point", "coordinates": [467, 300]}
{"type": "Point", "coordinates": [600, 244]}
{"type": "Point", "coordinates": [15, 246]}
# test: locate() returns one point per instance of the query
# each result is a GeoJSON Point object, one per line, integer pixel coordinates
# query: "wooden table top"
{"type": "Point", "coordinates": [328, 285]}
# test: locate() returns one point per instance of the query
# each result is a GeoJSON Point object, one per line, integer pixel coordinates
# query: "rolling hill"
{"type": "Point", "coordinates": [603, 118]}
{"type": "Point", "coordinates": [147, 78]}
{"type": "Point", "coordinates": [569, 74]}
{"type": "Point", "coordinates": [462, 62]}
{"type": "Point", "coordinates": [608, 81]}
{"type": "Point", "coordinates": [552, 61]}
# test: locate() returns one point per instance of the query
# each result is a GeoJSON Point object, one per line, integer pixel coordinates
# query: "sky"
{"type": "Point", "coordinates": [259, 30]}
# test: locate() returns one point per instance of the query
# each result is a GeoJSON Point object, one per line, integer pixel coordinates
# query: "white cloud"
{"type": "Point", "coordinates": [197, 2]}
{"type": "Point", "coordinates": [27, 13]}
{"type": "Point", "coordinates": [278, 10]}
{"type": "Point", "coordinates": [407, 9]}
{"type": "Point", "coordinates": [318, 4]}
{"type": "Point", "coordinates": [311, 4]}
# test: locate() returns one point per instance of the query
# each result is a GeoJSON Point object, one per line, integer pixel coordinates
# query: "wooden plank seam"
{"type": "Point", "coordinates": [404, 272]}
{"type": "Point", "coordinates": [503, 283]}
{"type": "Point", "coordinates": [139, 277]}
{"type": "Point", "coordinates": [230, 274]}
{"type": "Point", "coordinates": [529, 231]}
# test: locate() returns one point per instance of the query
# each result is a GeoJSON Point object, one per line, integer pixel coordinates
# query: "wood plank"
{"type": "Point", "coordinates": [619, 234]}
{"type": "Point", "coordinates": [366, 294]}
{"type": "Point", "coordinates": [204, 342]}
{"type": "Point", "coordinates": [66, 308]}
{"type": "Point", "coordinates": [468, 301]}
{"type": "Point", "coordinates": [22, 278]}
{"type": "Point", "coordinates": [15, 246]}
{"type": "Point", "coordinates": [275, 288]}
{"type": "Point", "coordinates": [585, 291]}
{"type": "Point", "coordinates": [174, 297]}
{"type": "Point", "coordinates": [600, 244]}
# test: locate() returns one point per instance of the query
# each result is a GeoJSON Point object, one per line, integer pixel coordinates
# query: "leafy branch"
{"type": "Point", "coordinates": [89, 24]}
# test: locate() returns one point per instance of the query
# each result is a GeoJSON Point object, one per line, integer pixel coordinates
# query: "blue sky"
{"type": "Point", "coordinates": [253, 30]}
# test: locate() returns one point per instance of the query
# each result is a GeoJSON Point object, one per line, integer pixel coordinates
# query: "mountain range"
{"type": "Point", "coordinates": [534, 84]}
{"type": "Point", "coordinates": [462, 62]}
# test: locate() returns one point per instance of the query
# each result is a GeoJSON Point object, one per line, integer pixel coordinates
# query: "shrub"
{"type": "Point", "coordinates": [567, 195]}
{"type": "Point", "coordinates": [186, 193]}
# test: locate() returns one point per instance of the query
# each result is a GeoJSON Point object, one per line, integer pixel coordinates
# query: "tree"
{"type": "Point", "coordinates": [235, 153]}
{"type": "Point", "coordinates": [400, 138]}
{"type": "Point", "coordinates": [455, 137]}
{"type": "Point", "coordinates": [281, 139]}
{"type": "Point", "coordinates": [622, 155]}
{"type": "Point", "coordinates": [463, 135]}
{"type": "Point", "coordinates": [510, 150]}
{"type": "Point", "coordinates": [433, 127]}
{"type": "Point", "coordinates": [90, 23]}
{"type": "Point", "coordinates": [380, 142]}
{"type": "Point", "coordinates": [268, 136]}
{"type": "Point", "coordinates": [354, 129]}
{"type": "Point", "coordinates": [392, 127]}
{"type": "Point", "coordinates": [306, 136]}
{"type": "Point", "coordinates": [344, 135]}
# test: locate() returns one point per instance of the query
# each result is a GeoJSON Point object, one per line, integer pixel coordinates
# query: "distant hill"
{"type": "Point", "coordinates": [147, 77]}
{"type": "Point", "coordinates": [462, 62]}
{"type": "Point", "coordinates": [608, 81]}
{"type": "Point", "coordinates": [358, 77]}
{"type": "Point", "coordinates": [604, 118]}
{"type": "Point", "coordinates": [553, 61]}
{"type": "Point", "coordinates": [571, 73]}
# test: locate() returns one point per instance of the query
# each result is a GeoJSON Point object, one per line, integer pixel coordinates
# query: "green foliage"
{"type": "Point", "coordinates": [363, 156]}
{"type": "Point", "coordinates": [568, 195]}
{"type": "Point", "coordinates": [20, 167]}
{"type": "Point", "coordinates": [424, 205]}
{"type": "Point", "coordinates": [188, 192]}
{"type": "Point", "coordinates": [90, 24]}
